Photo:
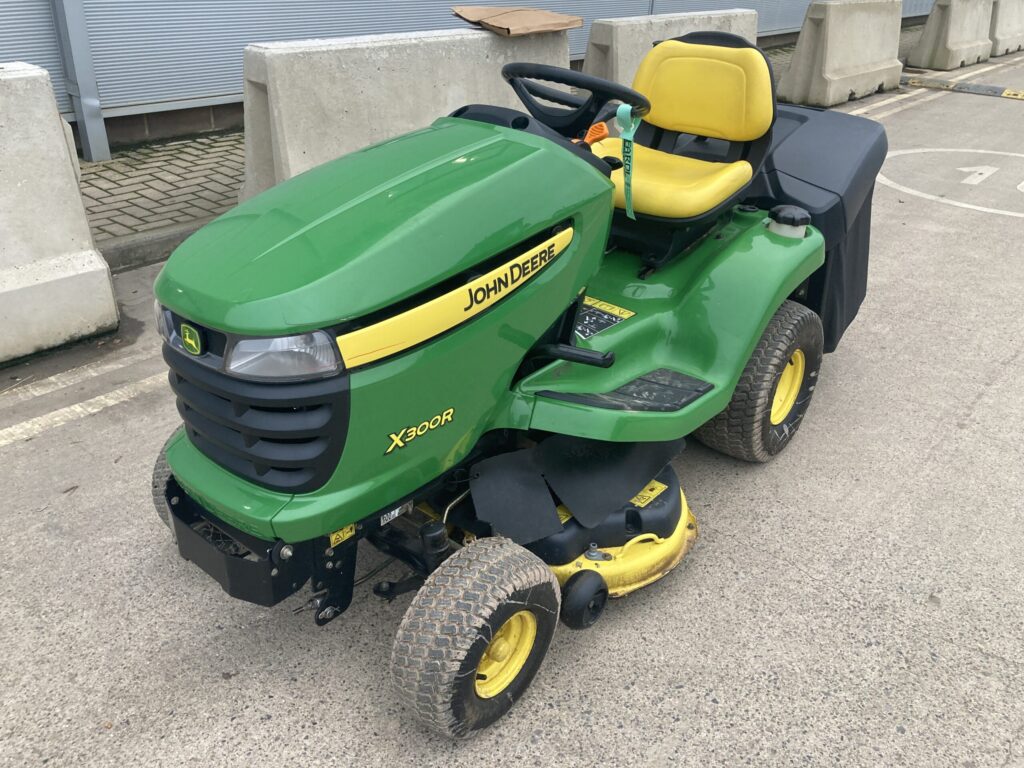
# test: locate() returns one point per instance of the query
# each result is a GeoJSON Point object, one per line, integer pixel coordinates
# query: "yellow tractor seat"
{"type": "Point", "coordinates": [674, 186]}
{"type": "Point", "coordinates": [707, 133]}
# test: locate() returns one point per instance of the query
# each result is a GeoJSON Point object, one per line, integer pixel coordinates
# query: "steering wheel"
{"type": "Point", "coordinates": [579, 112]}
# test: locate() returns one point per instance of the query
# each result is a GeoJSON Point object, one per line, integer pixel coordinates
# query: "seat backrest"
{"type": "Point", "coordinates": [712, 84]}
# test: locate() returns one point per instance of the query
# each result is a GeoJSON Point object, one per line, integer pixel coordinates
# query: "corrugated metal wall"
{"type": "Point", "coordinates": [772, 15]}
{"type": "Point", "coordinates": [173, 50]}
{"type": "Point", "coordinates": [27, 34]}
{"type": "Point", "coordinates": [916, 7]}
{"type": "Point", "coordinates": [164, 54]}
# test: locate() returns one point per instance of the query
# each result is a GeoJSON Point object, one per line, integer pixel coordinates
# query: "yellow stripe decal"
{"type": "Point", "coordinates": [611, 309]}
{"type": "Point", "coordinates": [416, 325]}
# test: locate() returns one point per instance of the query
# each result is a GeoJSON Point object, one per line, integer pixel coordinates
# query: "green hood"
{"type": "Point", "coordinates": [362, 232]}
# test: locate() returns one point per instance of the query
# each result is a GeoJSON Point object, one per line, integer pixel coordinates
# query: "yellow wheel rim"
{"type": "Point", "coordinates": [788, 388]}
{"type": "Point", "coordinates": [506, 654]}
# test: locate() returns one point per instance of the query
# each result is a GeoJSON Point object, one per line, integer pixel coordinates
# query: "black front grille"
{"type": "Point", "coordinates": [284, 436]}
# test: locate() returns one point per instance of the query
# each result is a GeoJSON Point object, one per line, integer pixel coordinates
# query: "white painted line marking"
{"type": "Point", "coordinates": [909, 104]}
{"type": "Point", "coordinates": [978, 173]}
{"type": "Point", "coordinates": [21, 393]}
{"type": "Point", "coordinates": [884, 102]}
{"type": "Point", "coordinates": [1014, 62]}
{"type": "Point", "coordinates": [974, 72]}
{"type": "Point", "coordinates": [40, 424]}
{"type": "Point", "coordinates": [882, 178]}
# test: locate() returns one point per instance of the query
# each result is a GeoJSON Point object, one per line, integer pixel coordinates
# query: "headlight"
{"type": "Point", "coordinates": [161, 321]}
{"type": "Point", "coordinates": [306, 355]}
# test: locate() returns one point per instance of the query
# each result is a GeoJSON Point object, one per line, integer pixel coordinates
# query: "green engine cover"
{"type": "Point", "coordinates": [365, 234]}
{"type": "Point", "coordinates": [366, 231]}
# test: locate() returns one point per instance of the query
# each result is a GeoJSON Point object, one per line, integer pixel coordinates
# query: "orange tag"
{"type": "Point", "coordinates": [596, 132]}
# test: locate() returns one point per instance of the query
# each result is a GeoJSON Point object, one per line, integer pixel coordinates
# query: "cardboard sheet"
{"type": "Point", "coordinates": [517, 20]}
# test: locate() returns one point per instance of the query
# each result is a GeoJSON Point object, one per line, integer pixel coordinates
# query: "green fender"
{"type": "Point", "coordinates": [701, 315]}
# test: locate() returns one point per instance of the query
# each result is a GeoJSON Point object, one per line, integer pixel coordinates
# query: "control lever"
{"type": "Point", "coordinates": [573, 354]}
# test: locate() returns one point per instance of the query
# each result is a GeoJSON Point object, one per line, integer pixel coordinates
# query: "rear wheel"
{"type": "Point", "coordinates": [774, 390]}
{"type": "Point", "coordinates": [475, 636]}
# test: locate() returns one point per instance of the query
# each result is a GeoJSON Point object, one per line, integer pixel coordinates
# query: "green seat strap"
{"type": "Point", "coordinates": [627, 129]}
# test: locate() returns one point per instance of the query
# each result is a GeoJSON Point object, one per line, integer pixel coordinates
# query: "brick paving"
{"type": "Point", "coordinates": [162, 185]}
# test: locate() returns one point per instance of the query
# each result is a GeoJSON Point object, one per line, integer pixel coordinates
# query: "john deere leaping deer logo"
{"type": "Point", "coordinates": [191, 340]}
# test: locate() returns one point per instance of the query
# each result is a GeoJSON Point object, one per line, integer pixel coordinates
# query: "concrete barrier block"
{"type": "Point", "coordinates": [311, 101]}
{"type": "Point", "coordinates": [54, 286]}
{"type": "Point", "coordinates": [1007, 29]}
{"type": "Point", "coordinates": [617, 46]}
{"type": "Point", "coordinates": [955, 35]}
{"type": "Point", "coordinates": [69, 139]}
{"type": "Point", "coordinates": [846, 49]}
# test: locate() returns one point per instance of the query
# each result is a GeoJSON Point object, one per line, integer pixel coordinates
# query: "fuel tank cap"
{"type": "Point", "coordinates": [789, 221]}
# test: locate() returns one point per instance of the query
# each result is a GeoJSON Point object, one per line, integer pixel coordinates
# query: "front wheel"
{"type": "Point", "coordinates": [161, 476]}
{"type": "Point", "coordinates": [475, 636]}
{"type": "Point", "coordinates": [774, 390]}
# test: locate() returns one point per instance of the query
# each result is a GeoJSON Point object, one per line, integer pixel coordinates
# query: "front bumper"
{"type": "Point", "coordinates": [246, 567]}
{"type": "Point", "coordinates": [265, 572]}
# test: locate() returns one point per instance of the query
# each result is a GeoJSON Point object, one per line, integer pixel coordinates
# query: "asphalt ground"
{"type": "Point", "coordinates": [858, 601]}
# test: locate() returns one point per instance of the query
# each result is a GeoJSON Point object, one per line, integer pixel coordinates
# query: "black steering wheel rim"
{"type": "Point", "coordinates": [579, 113]}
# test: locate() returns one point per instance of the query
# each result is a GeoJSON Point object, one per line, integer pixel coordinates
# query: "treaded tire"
{"type": "Point", "coordinates": [449, 625]}
{"type": "Point", "coordinates": [744, 429]}
{"type": "Point", "coordinates": [161, 474]}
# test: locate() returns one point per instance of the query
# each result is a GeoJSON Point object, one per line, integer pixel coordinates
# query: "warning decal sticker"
{"type": "Point", "coordinates": [597, 316]}
{"type": "Point", "coordinates": [650, 492]}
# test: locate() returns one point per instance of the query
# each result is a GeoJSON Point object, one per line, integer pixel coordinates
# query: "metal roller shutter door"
{"type": "Point", "coordinates": [27, 34]}
{"type": "Point", "coordinates": [772, 15]}
{"type": "Point", "coordinates": [149, 52]}
{"type": "Point", "coordinates": [916, 7]}
{"type": "Point", "coordinates": [165, 54]}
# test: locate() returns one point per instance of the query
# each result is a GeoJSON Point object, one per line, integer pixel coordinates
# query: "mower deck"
{"type": "Point", "coordinates": [640, 561]}
{"type": "Point", "coordinates": [634, 547]}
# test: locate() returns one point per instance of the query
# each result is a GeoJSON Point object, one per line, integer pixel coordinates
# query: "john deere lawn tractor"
{"type": "Point", "coordinates": [477, 347]}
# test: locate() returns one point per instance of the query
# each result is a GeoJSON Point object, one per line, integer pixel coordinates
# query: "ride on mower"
{"type": "Point", "coordinates": [478, 347]}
